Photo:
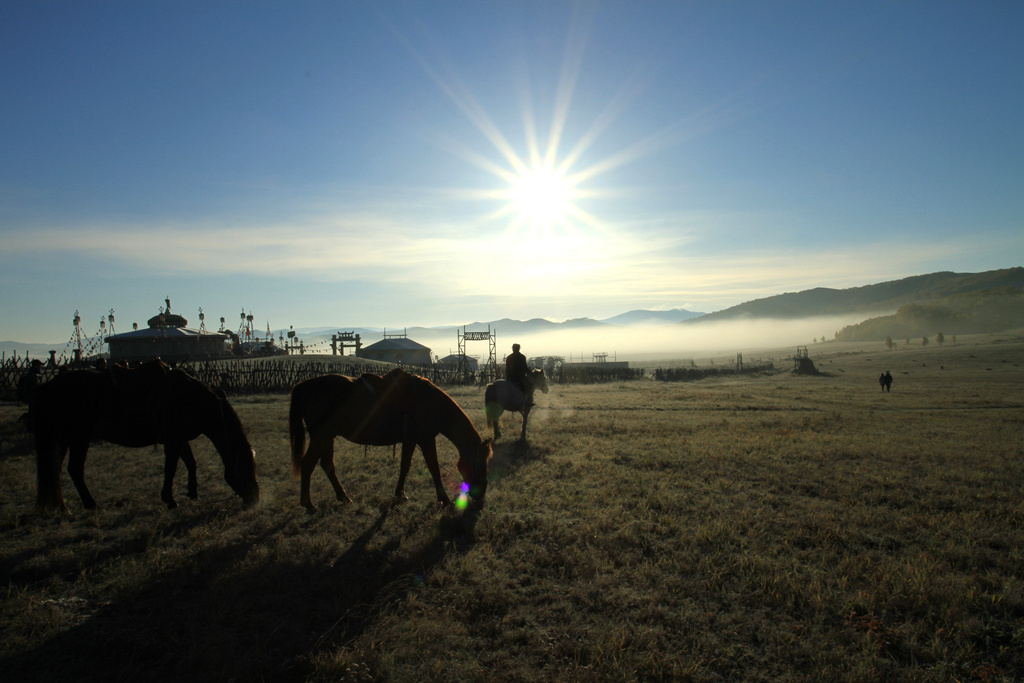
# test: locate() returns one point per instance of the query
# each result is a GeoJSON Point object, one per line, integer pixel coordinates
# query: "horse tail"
{"type": "Point", "coordinates": [296, 428]}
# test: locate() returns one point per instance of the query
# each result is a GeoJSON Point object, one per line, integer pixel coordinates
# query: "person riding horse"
{"type": "Point", "coordinates": [518, 372]}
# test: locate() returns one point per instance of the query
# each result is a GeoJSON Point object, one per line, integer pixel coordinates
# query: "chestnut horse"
{"type": "Point", "coordinates": [502, 395]}
{"type": "Point", "coordinates": [149, 405]}
{"type": "Point", "coordinates": [379, 411]}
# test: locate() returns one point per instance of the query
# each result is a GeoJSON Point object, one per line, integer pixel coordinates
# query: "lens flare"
{"type": "Point", "coordinates": [462, 501]}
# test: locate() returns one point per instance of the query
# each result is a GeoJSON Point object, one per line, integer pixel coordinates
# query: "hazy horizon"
{"type": "Point", "coordinates": [669, 341]}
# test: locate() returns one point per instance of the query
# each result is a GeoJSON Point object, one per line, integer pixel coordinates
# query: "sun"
{"type": "Point", "coordinates": [545, 188]}
{"type": "Point", "coordinates": [541, 197]}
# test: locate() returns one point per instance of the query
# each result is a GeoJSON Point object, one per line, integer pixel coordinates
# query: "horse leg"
{"type": "Point", "coordinates": [172, 452]}
{"type": "Point", "coordinates": [76, 468]}
{"type": "Point", "coordinates": [327, 465]}
{"type": "Point", "coordinates": [49, 459]}
{"type": "Point", "coordinates": [526, 416]}
{"type": "Point", "coordinates": [429, 449]}
{"type": "Point", "coordinates": [308, 463]}
{"type": "Point", "coordinates": [403, 469]}
{"type": "Point", "coordinates": [495, 421]}
{"type": "Point", "coordinates": [492, 410]}
{"type": "Point", "coordinates": [190, 465]}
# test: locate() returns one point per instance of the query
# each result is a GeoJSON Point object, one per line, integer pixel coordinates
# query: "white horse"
{"type": "Point", "coordinates": [502, 395]}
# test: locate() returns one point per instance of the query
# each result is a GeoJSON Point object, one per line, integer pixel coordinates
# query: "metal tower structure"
{"type": "Point", "coordinates": [293, 344]}
{"type": "Point", "coordinates": [76, 338]}
{"type": "Point", "coordinates": [345, 339]}
{"type": "Point", "coordinates": [490, 369]}
{"type": "Point", "coordinates": [245, 332]}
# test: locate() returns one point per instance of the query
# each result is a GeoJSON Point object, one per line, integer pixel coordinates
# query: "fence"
{"type": "Point", "coordinates": [13, 368]}
{"type": "Point", "coordinates": [691, 374]}
{"type": "Point", "coordinates": [271, 376]}
{"type": "Point", "coordinates": [593, 374]}
{"type": "Point", "coordinates": [237, 377]}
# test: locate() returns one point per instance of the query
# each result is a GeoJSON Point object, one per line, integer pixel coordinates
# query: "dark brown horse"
{"type": "Point", "coordinates": [141, 407]}
{"type": "Point", "coordinates": [378, 411]}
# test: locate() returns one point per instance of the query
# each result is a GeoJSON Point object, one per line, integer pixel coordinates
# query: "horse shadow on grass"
{"type": "Point", "coordinates": [510, 457]}
{"type": "Point", "coordinates": [20, 569]}
{"type": "Point", "coordinates": [236, 613]}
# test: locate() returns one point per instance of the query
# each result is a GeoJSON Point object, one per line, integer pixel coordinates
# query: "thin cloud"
{"type": "Point", "coordinates": [587, 272]}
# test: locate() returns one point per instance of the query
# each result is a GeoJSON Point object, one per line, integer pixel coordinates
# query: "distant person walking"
{"type": "Point", "coordinates": [885, 381]}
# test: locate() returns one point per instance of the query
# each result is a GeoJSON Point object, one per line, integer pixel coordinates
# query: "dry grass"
{"type": "Point", "coordinates": [801, 528]}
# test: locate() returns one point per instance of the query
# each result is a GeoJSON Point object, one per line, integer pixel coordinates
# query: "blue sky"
{"type": "Point", "coordinates": [394, 164]}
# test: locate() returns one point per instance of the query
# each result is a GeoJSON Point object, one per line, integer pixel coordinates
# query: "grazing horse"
{"type": "Point", "coordinates": [503, 395]}
{"type": "Point", "coordinates": [379, 411]}
{"type": "Point", "coordinates": [142, 407]}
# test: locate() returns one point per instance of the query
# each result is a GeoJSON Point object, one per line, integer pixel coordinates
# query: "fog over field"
{"type": "Point", "coordinates": [678, 340]}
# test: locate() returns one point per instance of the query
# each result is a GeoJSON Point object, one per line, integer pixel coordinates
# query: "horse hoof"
{"type": "Point", "coordinates": [171, 504]}
{"type": "Point", "coordinates": [310, 509]}
{"type": "Point", "coordinates": [59, 511]}
{"type": "Point", "coordinates": [194, 495]}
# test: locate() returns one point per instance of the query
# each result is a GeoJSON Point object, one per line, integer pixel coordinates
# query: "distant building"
{"type": "Point", "coordinates": [167, 337]}
{"type": "Point", "coordinates": [397, 349]}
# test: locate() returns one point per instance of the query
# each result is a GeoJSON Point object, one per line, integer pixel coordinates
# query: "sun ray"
{"type": "Point", "coordinates": [460, 95]}
{"type": "Point", "coordinates": [611, 112]}
{"type": "Point", "coordinates": [572, 62]}
{"type": "Point", "coordinates": [480, 161]}
{"type": "Point", "coordinates": [529, 123]}
{"type": "Point", "coordinates": [688, 128]}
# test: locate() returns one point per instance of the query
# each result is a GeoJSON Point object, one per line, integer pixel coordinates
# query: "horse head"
{"type": "Point", "coordinates": [237, 453]}
{"type": "Point", "coordinates": [473, 468]}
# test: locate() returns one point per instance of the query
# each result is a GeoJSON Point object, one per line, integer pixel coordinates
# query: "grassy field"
{"type": "Point", "coordinates": [760, 528]}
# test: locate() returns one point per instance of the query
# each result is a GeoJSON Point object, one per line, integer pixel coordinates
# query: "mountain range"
{"type": "Point", "coordinates": [988, 310]}
{"type": "Point", "coordinates": [509, 327]}
{"type": "Point", "coordinates": [884, 297]}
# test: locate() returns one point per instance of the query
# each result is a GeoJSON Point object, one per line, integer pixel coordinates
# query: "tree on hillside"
{"type": "Point", "coordinates": [888, 343]}
{"type": "Point", "coordinates": [924, 341]}
{"type": "Point", "coordinates": [940, 339]}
